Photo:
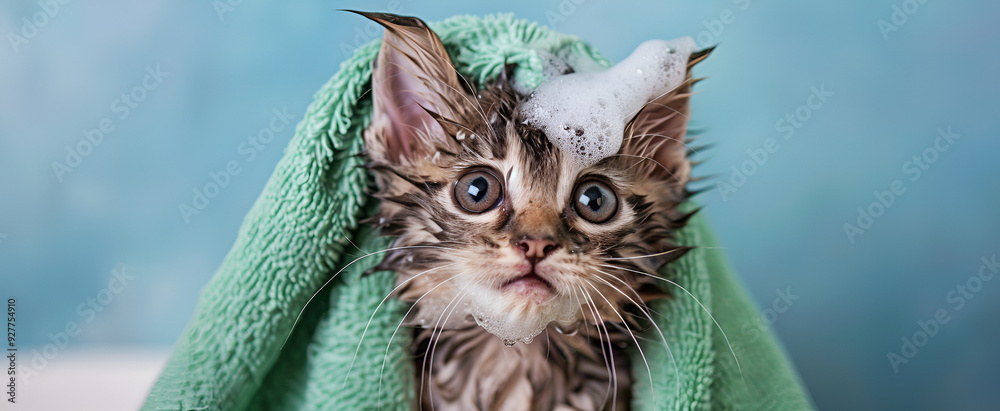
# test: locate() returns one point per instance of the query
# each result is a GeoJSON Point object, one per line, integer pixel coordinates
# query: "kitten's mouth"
{"type": "Point", "coordinates": [530, 285]}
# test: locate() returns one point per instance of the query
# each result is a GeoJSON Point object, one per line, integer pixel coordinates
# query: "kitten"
{"type": "Point", "coordinates": [504, 237]}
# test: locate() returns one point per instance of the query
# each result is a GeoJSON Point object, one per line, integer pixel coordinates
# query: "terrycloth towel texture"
{"type": "Point", "coordinates": [305, 228]}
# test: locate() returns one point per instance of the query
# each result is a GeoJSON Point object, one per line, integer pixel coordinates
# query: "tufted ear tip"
{"type": "Point", "coordinates": [414, 86]}
{"type": "Point", "coordinates": [390, 21]}
{"type": "Point", "coordinates": [700, 55]}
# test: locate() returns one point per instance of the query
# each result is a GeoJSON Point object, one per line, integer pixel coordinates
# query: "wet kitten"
{"type": "Point", "coordinates": [503, 236]}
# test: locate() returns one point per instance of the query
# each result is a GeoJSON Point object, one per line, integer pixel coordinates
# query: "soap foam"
{"type": "Point", "coordinates": [584, 113]}
{"type": "Point", "coordinates": [514, 320]}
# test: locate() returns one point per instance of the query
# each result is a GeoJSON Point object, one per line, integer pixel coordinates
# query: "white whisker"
{"type": "Point", "coordinates": [649, 371]}
{"type": "Point", "coordinates": [430, 371]}
{"type": "Point", "coordinates": [328, 281]}
{"type": "Point", "coordinates": [363, 333]}
{"type": "Point", "coordinates": [348, 238]}
{"type": "Point", "coordinates": [612, 371]}
{"type": "Point", "coordinates": [677, 374]}
{"type": "Point", "coordinates": [393, 336]}
{"type": "Point", "coordinates": [697, 301]}
{"type": "Point", "coordinates": [654, 255]}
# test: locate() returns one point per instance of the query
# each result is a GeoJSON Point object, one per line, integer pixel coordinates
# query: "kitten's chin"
{"type": "Point", "coordinates": [515, 313]}
{"type": "Point", "coordinates": [530, 286]}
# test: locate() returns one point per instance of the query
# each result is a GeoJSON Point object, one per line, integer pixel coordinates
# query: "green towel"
{"type": "Point", "coordinates": [304, 229]}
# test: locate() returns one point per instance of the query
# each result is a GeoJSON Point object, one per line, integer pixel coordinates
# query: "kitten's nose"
{"type": "Point", "coordinates": [537, 249]}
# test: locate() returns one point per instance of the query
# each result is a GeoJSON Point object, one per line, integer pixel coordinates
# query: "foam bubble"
{"type": "Point", "coordinates": [514, 320]}
{"type": "Point", "coordinates": [584, 113]}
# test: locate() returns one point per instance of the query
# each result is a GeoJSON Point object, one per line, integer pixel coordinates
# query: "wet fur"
{"type": "Point", "coordinates": [418, 151]}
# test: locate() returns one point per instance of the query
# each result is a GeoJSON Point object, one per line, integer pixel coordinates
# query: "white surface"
{"type": "Point", "coordinates": [584, 114]}
{"type": "Point", "coordinates": [106, 380]}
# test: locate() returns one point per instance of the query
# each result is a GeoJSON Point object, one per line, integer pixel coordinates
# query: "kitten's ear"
{"type": "Point", "coordinates": [658, 130]}
{"type": "Point", "coordinates": [414, 86]}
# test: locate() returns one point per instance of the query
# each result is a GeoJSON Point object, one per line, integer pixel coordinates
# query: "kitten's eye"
{"type": "Point", "coordinates": [595, 201]}
{"type": "Point", "coordinates": [478, 191]}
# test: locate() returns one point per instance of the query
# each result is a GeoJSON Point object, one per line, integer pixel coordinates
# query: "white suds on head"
{"type": "Point", "coordinates": [584, 113]}
{"type": "Point", "coordinates": [552, 66]}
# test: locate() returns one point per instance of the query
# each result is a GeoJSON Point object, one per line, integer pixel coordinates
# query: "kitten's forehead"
{"type": "Point", "coordinates": [536, 156]}
{"type": "Point", "coordinates": [537, 182]}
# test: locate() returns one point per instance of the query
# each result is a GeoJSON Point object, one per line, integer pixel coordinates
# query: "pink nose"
{"type": "Point", "coordinates": [537, 249]}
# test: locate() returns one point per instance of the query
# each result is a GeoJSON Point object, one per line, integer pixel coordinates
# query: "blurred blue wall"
{"type": "Point", "coordinates": [884, 90]}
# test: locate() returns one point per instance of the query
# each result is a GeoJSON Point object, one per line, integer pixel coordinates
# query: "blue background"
{"type": "Point", "coordinates": [783, 228]}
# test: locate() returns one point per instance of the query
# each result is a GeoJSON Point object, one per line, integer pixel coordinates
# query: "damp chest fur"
{"type": "Point", "coordinates": [470, 369]}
